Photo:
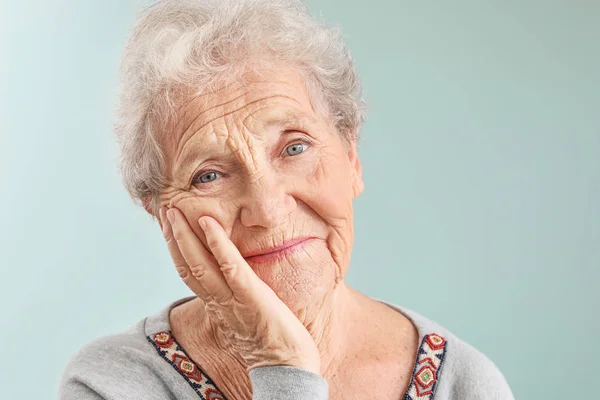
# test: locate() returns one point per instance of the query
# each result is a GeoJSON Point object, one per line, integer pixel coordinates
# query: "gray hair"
{"type": "Point", "coordinates": [179, 45]}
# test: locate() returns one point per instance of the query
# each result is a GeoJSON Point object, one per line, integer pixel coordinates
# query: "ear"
{"type": "Point", "coordinates": [357, 182]}
{"type": "Point", "coordinates": [148, 207]}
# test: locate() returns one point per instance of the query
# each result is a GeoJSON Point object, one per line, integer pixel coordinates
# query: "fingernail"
{"type": "Point", "coordinates": [202, 223]}
{"type": "Point", "coordinates": [171, 216]}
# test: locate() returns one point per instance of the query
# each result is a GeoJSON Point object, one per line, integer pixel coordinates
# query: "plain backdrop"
{"type": "Point", "coordinates": [481, 157]}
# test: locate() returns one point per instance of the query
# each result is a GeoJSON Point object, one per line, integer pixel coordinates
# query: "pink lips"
{"type": "Point", "coordinates": [274, 253]}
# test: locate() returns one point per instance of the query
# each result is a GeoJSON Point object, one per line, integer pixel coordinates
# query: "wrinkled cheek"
{"type": "Point", "coordinates": [195, 207]}
{"type": "Point", "coordinates": [331, 198]}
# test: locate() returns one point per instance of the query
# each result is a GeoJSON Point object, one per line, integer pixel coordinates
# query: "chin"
{"type": "Point", "coordinates": [299, 282]}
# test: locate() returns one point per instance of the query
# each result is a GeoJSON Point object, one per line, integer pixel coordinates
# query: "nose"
{"type": "Point", "coordinates": [266, 203]}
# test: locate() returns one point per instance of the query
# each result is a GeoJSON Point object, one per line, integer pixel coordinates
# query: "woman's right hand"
{"type": "Point", "coordinates": [255, 322]}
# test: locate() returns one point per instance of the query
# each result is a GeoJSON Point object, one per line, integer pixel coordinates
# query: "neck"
{"type": "Point", "coordinates": [328, 321]}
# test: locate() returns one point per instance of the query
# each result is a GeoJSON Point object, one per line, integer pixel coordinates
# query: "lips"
{"type": "Point", "coordinates": [286, 247]}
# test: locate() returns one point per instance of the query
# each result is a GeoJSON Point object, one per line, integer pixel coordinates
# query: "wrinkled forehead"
{"type": "Point", "coordinates": [258, 98]}
{"type": "Point", "coordinates": [216, 122]}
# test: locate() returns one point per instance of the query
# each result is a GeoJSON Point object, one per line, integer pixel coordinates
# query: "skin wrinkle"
{"type": "Point", "coordinates": [263, 198]}
{"type": "Point", "coordinates": [255, 110]}
{"type": "Point", "coordinates": [226, 87]}
{"type": "Point", "coordinates": [320, 175]}
{"type": "Point", "coordinates": [184, 141]}
{"type": "Point", "coordinates": [248, 158]}
{"type": "Point", "coordinates": [185, 106]}
{"type": "Point", "coordinates": [246, 131]}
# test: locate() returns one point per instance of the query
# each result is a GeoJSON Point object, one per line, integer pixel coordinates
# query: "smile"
{"type": "Point", "coordinates": [275, 253]}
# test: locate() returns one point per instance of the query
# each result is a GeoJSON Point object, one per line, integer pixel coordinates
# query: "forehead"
{"type": "Point", "coordinates": [274, 97]}
{"type": "Point", "coordinates": [261, 97]}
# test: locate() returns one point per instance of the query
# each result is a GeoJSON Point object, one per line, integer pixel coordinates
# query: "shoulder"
{"type": "Point", "coordinates": [460, 370]}
{"type": "Point", "coordinates": [114, 366]}
{"type": "Point", "coordinates": [114, 350]}
{"type": "Point", "coordinates": [472, 372]}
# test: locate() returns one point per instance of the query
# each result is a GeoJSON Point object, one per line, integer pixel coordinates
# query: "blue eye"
{"type": "Point", "coordinates": [294, 149]}
{"type": "Point", "coordinates": [208, 177]}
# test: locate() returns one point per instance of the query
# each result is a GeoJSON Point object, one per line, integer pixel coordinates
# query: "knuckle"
{"type": "Point", "coordinates": [220, 306]}
{"type": "Point", "coordinates": [170, 240]}
{"type": "Point", "coordinates": [198, 271]}
{"type": "Point", "coordinates": [228, 267]}
{"type": "Point", "coordinates": [226, 301]}
{"type": "Point", "coordinates": [183, 271]}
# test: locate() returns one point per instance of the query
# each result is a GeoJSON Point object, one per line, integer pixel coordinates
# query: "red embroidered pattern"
{"type": "Point", "coordinates": [169, 349]}
{"type": "Point", "coordinates": [427, 369]}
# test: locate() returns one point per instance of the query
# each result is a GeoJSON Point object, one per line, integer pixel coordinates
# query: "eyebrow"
{"type": "Point", "coordinates": [291, 119]}
{"type": "Point", "coordinates": [195, 154]}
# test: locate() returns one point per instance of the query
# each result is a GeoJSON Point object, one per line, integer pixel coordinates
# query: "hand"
{"type": "Point", "coordinates": [256, 323]}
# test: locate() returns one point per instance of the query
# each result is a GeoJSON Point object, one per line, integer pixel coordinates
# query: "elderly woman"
{"type": "Point", "coordinates": [238, 124]}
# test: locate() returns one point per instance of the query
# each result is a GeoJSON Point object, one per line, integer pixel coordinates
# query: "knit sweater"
{"type": "Point", "coordinates": [146, 362]}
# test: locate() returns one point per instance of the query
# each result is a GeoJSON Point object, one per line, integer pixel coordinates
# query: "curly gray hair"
{"type": "Point", "coordinates": [179, 45]}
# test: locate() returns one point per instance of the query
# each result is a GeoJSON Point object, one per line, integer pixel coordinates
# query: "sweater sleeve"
{"type": "Point", "coordinates": [284, 382]}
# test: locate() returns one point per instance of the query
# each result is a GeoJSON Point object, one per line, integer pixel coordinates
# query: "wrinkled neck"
{"type": "Point", "coordinates": [329, 320]}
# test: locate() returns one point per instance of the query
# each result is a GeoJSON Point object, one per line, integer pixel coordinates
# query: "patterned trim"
{"type": "Point", "coordinates": [427, 368]}
{"type": "Point", "coordinates": [426, 373]}
{"type": "Point", "coordinates": [168, 348]}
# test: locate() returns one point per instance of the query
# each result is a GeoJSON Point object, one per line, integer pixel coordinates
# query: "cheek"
{"type": "Point", "coordinates": [331, 195]}
{"type": "Point", "coordinates": [331, 188]}
{"type": "Point", "coordinates": [195, 207]}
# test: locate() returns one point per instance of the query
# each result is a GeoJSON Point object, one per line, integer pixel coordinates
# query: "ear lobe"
{"type": "Point", "coordinates": [358, 184]}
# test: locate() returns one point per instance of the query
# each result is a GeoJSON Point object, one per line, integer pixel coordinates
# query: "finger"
{"type": "Point", "coordinates": [180, 263]}
{"type": "Point", "coordinates": [235, 269]}
{"type": "Point", "coordinates": [200, 261]}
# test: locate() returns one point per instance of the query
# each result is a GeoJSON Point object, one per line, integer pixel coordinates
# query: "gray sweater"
{"type": "Point", "coordinates": [146, 362]}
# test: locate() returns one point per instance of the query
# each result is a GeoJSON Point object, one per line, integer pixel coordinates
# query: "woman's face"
{"type": "Point", "coordinates": [274, 172]}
